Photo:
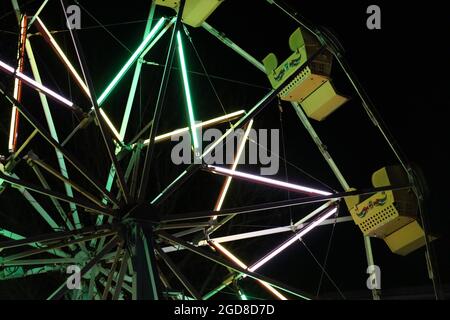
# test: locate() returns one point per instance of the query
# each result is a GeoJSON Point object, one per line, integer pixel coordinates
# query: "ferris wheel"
{"type": "Point", "coordinates": [109, 235]}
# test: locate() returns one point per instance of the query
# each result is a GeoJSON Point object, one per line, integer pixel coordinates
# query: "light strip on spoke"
{"type": "Point", "coordinates": [130, 62]}
{"type": "Point", "coordinates": [35, 84]}
{"type": "Point", "coordinates": [46, 33]}
{"type": "Point", "coordinates": [227, 184]}
{"type": "Point", "coordinates": [238, 262]}
{"type": "Point", "coordinates": [267, 181]}
{"type": "Point", "coordinates": [291, 241]}
{"type": "Point", "coordinates": [14, 125]}
{"type": "Point", "coordinates": [187, 93]}
{"type": "Point", "coordinates": [207, 123]}
{"type": "Point", "coordinates": [242, 295]}
{"type": "Point", "coordinates": [60, 53]}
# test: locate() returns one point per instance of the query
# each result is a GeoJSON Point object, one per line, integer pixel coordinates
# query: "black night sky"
{"type": "Point", "coordinates": [403, 67]}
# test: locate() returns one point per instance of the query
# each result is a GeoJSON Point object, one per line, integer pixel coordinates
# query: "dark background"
{"type": "Point", "coordinates": [403, 67]}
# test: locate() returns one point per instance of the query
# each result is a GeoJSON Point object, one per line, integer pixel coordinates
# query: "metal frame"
{"type": "Point", "coordinates": [330, 42]}
{"type": "Point", "coordinates": [137, 233]}
{"type": "Point", "coordinates": [159, 105]}
{"type": "Point", "coordinates": [256, 234]}
{"type": "Point", "coordinates": [46, 108]}
{"type": "Point", "coordinates": [307, 124]}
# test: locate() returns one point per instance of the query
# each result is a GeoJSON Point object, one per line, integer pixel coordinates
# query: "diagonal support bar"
{"type": "Point", "coordinates": [184, 281]}
{"type": "Point", "coordinates": [14, 125]}
{"type": "Point", "coordinates": [55, 144]}
{"type": "Point", "coordinates": [276, 205]}
{"type": "Point", "coordinates": [62, 290]}
{"type": "Point", "coordinates": [159, 106]}
{"type": "Point", "coordinates": [101, 121]}
{"type": "Point", "coordinates": [264, 102]}
{"type": "Point", "coordinates": [57, 195]}
{"type": "Point", "coordinates": [238, 269]}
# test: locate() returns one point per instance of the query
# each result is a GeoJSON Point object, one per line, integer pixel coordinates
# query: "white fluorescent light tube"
{"type": "Point", "coordinates": [229, 131]}
{"type": "Point", "coordinates": [244, 266]}
{"type": "Point", "coordinates": [230, 255]}
{"type": "Point", "coordinates": [35, 84]}
{"type": "Point", "coordinates": [74, 73]}
{"type": "Point", "coordinates": [274, 291]}
{"type": "Point", "coordinates": [110, 125]}
{"type": "Point", "coordinates": [218, 141]}
{"type": "Point", "coordinates": [226, 186]}
{"type": "Point", "coordinates": [297, 226]}
{"type": "Point", "coordinates": [288, 243]}
{"type": "Point", "coordinates": [267, 181]}
{"type": "Point", "coordinates": [130, 61]}
{"type": "Point", "coordinates": [61, 54]}
{"type": "Point", "coordinates": [305, 219]}
{"type": "Point", "coordinates": [198, 125]}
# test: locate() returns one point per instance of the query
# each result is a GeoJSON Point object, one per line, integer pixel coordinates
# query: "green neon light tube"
{"type": "Point", "coordinates": [243, 296]}
{"type": "Point", "coordinates": [187, 92]}
{"type": "Point", "coordinates": [130, 62]}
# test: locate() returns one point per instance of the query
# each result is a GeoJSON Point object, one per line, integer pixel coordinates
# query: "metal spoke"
{"type": "Point", "coordinates": [55, 144]}
{"type": "Point", "coordinates": [159, 105]}
{"type": "Point", "coordinates": [276, 205]}
{"type": "Point", "coordinates": [238, 269]}
{"type": "Point", "coordinates": [136, 239]}
{"type": "Point", "coordinates": [184, 281]}
{"type": "Point", "coordinates": [57, 195]}
{"type": "Point", "coordinates": [62, 290]}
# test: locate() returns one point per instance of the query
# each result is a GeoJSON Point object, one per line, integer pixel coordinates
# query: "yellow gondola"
{"type": "Point", "coordinates": [312, 88]}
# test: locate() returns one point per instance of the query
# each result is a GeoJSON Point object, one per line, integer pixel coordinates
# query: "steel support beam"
{"type": "Point", "coordinates": [34, 203]}
{"type": "Point", "coordinates": [144, 264]}
{"type": "Point", "coordinates": [38, 241]}
{"type": "Point", "coordinates": [175, 184]}
{"type": "Point", "coordinates": [18, 272]}
{"type": "Point", "coordinates": [48, 115]}
{"type": "Point", "coordinates": [238, 269]}
{"type": "Point", "coordinates": [159, 105]}
{"type": "Point", "coordinates": [184, 281]}
{"type": "Point", "coordinates": [16, 237]}
{"type": "Point", "coordinates": [121, 277]}
{"type": "Point", "coordinates": [55, 144]}
{"type": "Point", "coordinates": [136, 76]}
{"type": "Point", "coordinates": [275, 205]}
{"type": "Point", "coordinates": [101, 122]}
{"type": "Point", "coordinates": [264, 102]}
{"type": "Point", "coordinates": [55, 201]}
{"type": "Point", "coordinates": [62, 290]}
{"type": "Point", "coordinates": [117, 257]}
{"type": "Point", "coordinates": [222, 38]}
{"type": "Point", "coordinates": [82, 203]}
{"type": "Point", "coordinates": [260, 233]}
{"type": "Point", "coordinates": [34, 262]}
{"type": "Point", "coordinates": [68, 243]}
{"type": "Point", "coordinates": [38, 12]}
{"type": "Point", "coordinates": [33, 160]}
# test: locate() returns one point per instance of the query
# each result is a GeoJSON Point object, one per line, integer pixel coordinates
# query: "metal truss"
{"type": "Point", "coordinates": [127, 252]}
